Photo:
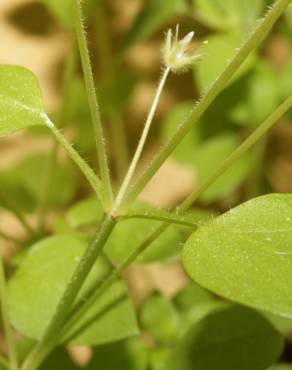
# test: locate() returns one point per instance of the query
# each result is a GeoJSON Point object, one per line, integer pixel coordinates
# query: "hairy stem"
{"type": "Point", "coordinates": [125, 185]}
{"type": "Point", "coordinates": [170, 218]}
{"type": "Point", "coordinates": [12, 354]}
{"type": "Point", "coordinates": [108, 70]}
{"type": "Point", "coordinates": [74, 155]}
{"type": "Point", "coordinates": [94, 107]}
{"type": "Point", "coordinates": [51, 336]}
{"type": "Point", "coordinates": [62, 119]}
{"type": "Point", "coordinates": [252, 42]}
{"type": "Point", "coordinates": [247, 144]}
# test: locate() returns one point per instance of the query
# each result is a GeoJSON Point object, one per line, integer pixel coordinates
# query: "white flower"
{"type": "Point", "coordinates": [178, 55]}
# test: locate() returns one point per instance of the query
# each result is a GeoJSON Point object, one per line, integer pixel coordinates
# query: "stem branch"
{"type": "Point", "coordinates": [93, 104]}
{"type": "Point", "coordinates": [251, 43]}
{"type": "Point", "coordinates": [51, 336]}
{"type": "Point", "coordinates": [251, 140]}
{"type": "Point", "coordinates": [125, 185]}
{"type": "Point", "coordinates": [74, 155]}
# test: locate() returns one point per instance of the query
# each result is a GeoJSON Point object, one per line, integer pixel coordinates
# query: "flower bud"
{"type": "Point", "coordinates": [178, 54]}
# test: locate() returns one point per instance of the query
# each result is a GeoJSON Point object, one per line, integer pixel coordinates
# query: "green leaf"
{"type": "Point", "coordinates": [210, 155]}
{"type": "Point", "coordinates": [166, 247]}
{"type": "Point", "coordinates": [281, 367]}
{"type": "Point", "coordinates": [232, 337]}
{"type": "Point", "coordinates": [158, 356]}
{"type": "Point", "coordinates": [217, 52]}
{"type": "Point", "coordinates": [160, 318]}
{"type": "Point", "coordinates": [37, 286]}
{"type": "Point", "coordinates": [185, 151]}
{"type": "Point", "coordinates": [85, 212]}
{"type": "Point", "coordinates": [129, 355]}
{"type": "Point", "coordinates": [191, 295]}
{"type": "Point", "coordinates": [13, 193]}
{"type": "Point", "coordinates": [282, 324]}
{"type": "Point", "coordinates": [154, 15]}
{"type": "Point", "coordinates": [30, 173]}
{"type": "Point", "coordinates": [59, 359]}
{"type": "Point", "coordinates": [264, 92]}
{"type": "Point", "coordinates": [245, 254]}
{"type": "Point", "coordinates": [229, 15]}
{"type": "Point", "coordinates": [21, 103]}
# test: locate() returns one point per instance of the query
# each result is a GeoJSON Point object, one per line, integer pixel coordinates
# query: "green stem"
{"type": "Point", "coordinates": [252, 42]}
{"type": "Point", "coordinates": [62, 120]}
{"type": "Point", "coordinates": [93, 104]}
{"type": "Point", "coordinates": [118, 134]}
{"type": "Point", "coordinates": [12, 355]}
{"type": "Point", "coordinates": [74, 155]}
{"type": "Point", "coordinates": [120, 146]}
{"type": "Point", "coordinates": [251, 140]}
{"type": "Point", "coordinates": [170, 218]}
{"type": "Point", "coordinates": [125, 185]}
{"type": "Point", "coordinates": [48, 176]}
{"type": "Point", "coordinates": [51, 335]}
{"type": "Point", "coordinates": [110, 280]}
{"type": "Point", "coordinates": [254, 183]}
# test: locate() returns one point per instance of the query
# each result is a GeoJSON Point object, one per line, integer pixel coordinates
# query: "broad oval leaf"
{"type": "Point", "coordinates": [21, 103]}
{"type": "Point", "coordinates": [232, 337]}
{"type": "Point", "coordinates": [246, 254]}
{"type": "Point", "coordinates": [37, 286]}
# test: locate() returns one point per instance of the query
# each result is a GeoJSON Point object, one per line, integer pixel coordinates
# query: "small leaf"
{"type": "Point", "coordinates": [130, 354]}
{"type": "Point", "coordinates": [21, 103]}
{"type": "Point", "coordinates": [85, 212]}
{"type": "Point", "coordinates": [185, 151]}
{"type": "Point", "coordinates": [158, 356]}
{"type": "Point", "coordinates": [216, 54]}
{"type": "Point", "coordinates": [30, 173]}
{"type": "Point", "coordinates": [282, 324]}
{"type": "Point", "coordinates": [191, 295]}
{"type": "Point", "coordinates": [166, 247]}
{"type": "Point", "coordinates": [234, 15]}
{"type": "Point", "coordinates": [154, 15]}
{"type": "Point", "coordinates": [210, 155]}
{"type": "Point", "coordinates": [160, 318]}
{"type": "Point", "coordinates": [232, 337]}
{"type": "Point", "coordinates": [245, 254]}
{"type": "Point", "coordinates": [264, 92]}
{"type": "Point", "coordinates": [37, 286]}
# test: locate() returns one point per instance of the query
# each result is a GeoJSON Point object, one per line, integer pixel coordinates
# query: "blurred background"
{"type": "Point", "coordinates": [125, 39]}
